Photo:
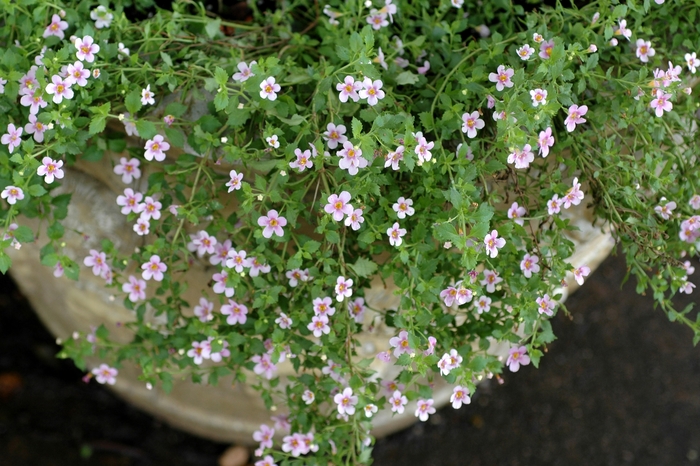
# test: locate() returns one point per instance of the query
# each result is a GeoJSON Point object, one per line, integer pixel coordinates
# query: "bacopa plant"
{"type": "Point", "coordinates": [437, 145]}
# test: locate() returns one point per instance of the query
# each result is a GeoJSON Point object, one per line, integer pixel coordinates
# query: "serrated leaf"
{"type": "Point", "coordinates": [356, 128]}
{"type": "Point", "coordinates": [146, 129]}
{"type": "Point", "coordinates": [312, 246]}
{"type": "Point", "coordinates": [221, 100]}
{"type": "Point", "coordinates": [23, 234]}
{"type": "Point", "coordinates": [363, 267]}
{"type": "Point", "coordinates": [133, 102]}
{"type": "Point", "coordinates": [175, 109]}
{"type": "Point", "coordinates": [406, 78]}
{"type": "Point", "coordinates": [5, 262]}
{"type": "Point", "coordinates": [175, 137]}
{"type": "Point", "coordinates": [221, 76]}
{"type": "Point", "coordinates": [213, 28]}
{"type": "Point", "coordinates": [36, 190]}
{"type": "Point", "coordinates": [97, 125]}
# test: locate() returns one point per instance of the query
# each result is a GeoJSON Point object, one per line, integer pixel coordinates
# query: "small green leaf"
{"type": "Point", "coordinates": [356, 128]}
{"type": "Point", "coordinates": [24, 234]}
{"type": "Point", "coordinates": [213, 27]}
{"type": "Point", "coordinates": [55, 231]}
{"type": "Point", "coordinates": [175, 109]}
{"type": "Point", "coordinates": [5, 262]}
{"type": "Point", "coordinates": [92, 153]}
{"type": "Point", "coordinates": [98, 123]}
{"type": "Point", "coordinates": [36, 190]}
{"type": "Point", "coordinates": [363, 267]}
{"type": "Point", "coordinates": [175, 137]}
{"type": "Point", "coordinates": [311, 246]}
{"type": "Point", "coordinates": [220, 76]}
{"type": "Point", "coordinates": [133, 102]}
{"type": "Point", "coordinates": [221, 100]}
{"type": "Point", "coordinates": [406, 78]}
{"type": "Point", "coordinates": [146, 129]}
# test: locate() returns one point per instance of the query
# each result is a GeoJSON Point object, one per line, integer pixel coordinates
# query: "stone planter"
{"type": "Point", "coordinates": [225, 412]}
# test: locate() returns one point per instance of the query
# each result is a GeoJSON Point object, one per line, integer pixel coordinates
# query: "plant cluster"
{"type": "Point", "coordinates": [437, 145]}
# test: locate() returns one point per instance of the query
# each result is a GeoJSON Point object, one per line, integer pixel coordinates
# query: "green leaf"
{"type": "Point", "coordinates": [213, 28]}
{"type": "Point", "coordinates": [24, 234]}
{"type": "Point", "coordinates": [356, 128]}
{"type": "Point", "coordinates": [406, 78]}
{"type": "Point", "coordinates": [55, 231]}
{"type": "Point", "coordinates": [70, 269]}
{"type": "Point", "coordinates": [133, 102]}
{"type": "Point", "coordinates": [220, 76]}
{"type": "Point", "coordinates": [146, 129]}
{"type": "Point", "coordinates": [36, 190]}
{"type": "Point", "coordinates": [221, 100]}
{"type": "Point", "coordinates": [98, 123]}
{"type": "Point", "coordinates": [5, 262]}
{"type": "Point", "coordinates": [175, 109]}
{"type": "Point", "coordinates": [92, 153]}
{"type": "Point", "coordinates": [363, 267]}
{"type": "Point", "coordinates": [175, 137]}
{"type": "Point", "coordinates": [311, 246]}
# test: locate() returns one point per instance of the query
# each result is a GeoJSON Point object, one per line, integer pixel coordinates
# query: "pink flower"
{"type": "Point", "coordinates": [135, 287]}
{"type": "Point", "coordinates": [154, 268]}
{"type": "Point", "coordinates": [394, 158]}
{"type": "Point", "coordinates": [244, 72]}
{"type": "Point", "coordinates": [574, 195]}
{"type": "Point", "coordinates": [490, 101]}
{"type": "Point", "coordinates": [264, 435]}
{"type": "Point", "coordinates": [644, 50]}
{"type": "Point", "coordinates": [581, 272]}
{"type": "Point", "coordinates": [343, 288]}
{"type": "Point", "coordinates": [502, 77]}
{"type": "Point", "coordinates": [142, 226]}
{"type": "Point", "coordinates": [546, 305]}
{"type": "Point", "coordinates": [169, 120]}
{"type": "Point", "coordinates": [130, 202]}
{"type": "Point", "coordinates": [349, 89]}
{"type": "Point", "coordinates": [423, 148]}
{"type": "Point", "coordinates": [102, 17]}
{"type": "Point", "coordinates": [516, 212]}
{"type": "Point", "coordinates": [60, 89]}
{"type": "Point", "coordinates": [86, 49]}
{"type": "Point", "coordinates": [398, 402]}
{"type": "Point", "coordinates": [483, 304]}
{"type": "Point", "coordinates": [202, 242]}
{"type": "Point", "coordinates": [257, 267]}
{"type": "Point", "coordinates": [199, 351]}
{"type": "Point", "coordinates": [56, 28]}
{"type": "Point", "coordinates": [665, 211]}
{"type": "Point", "coordinates": [237, 260]}
{"type": "Point", "coordinates": [529, 265]}
{"type": "Point", "coordinates": [303, 160]}
{"type": "Point", "coordinates": [377, 19]}
{"type": "Point", "coordinates": [339, 206]}
{"type": "Point", "coordinates": [431, 346]}
{"type": "Point", "coordinates": [425, 408]}
{"type": "Point", "coordinates": [273, 223]}
{"type": "Point", "coordinates": [396, 234]}
{"type": "Point", "coordinates": [424, 69]}
{"type": "Point", "coordinates": [96, 260]}
{"type": "Point", "coordinates": [50, 169]}
{"type": "Point", "coordinates": [147, 96]}
{"type": "Point", "coordinates": [491, 279]}
{"type": "Point", "coordinates": [460, 395]}
{"type": "Point", "coordinates": [294, 445]}
{"type": "Point", "coordinates": [150, 209]}
{"type": "Point", "coordinates": [694, 202]}
{"type": "Point", "coordinates": [104, 373]}
{"type": "Point", "coordinates": [686, 287]}
{"type": "Point", "coordinates": [400, 344]}
{"type": "Point", "coordinates": [12, 138]}
{"type": "Point", "coordinates": [354, 219]}
{"type": "Point", "coordinates": [525, 52]}
{"type": "Point", "coordinates": [335, 135]}
{"type": "Point", "coordinates": [346, 402]}
{"type": "Point", "coordinates": [554, 205]}
{"type": "Point", "coordinates": [472, 122]}
{"type": "Point", "coordinates": [546, 49]}
{"type": "Point", "coordinates": [77, 74]}
{"type": "Point", "coordinates": [235, 181]}
{"type": "Point", "coordinates": [128, 169]}
{"type": "Point", "coordinates": [237, 313]}
{"type": "Point", "coordinates": [449, 295]}
{"type": "Point", "coordinates": [319, 326]}
{"type": "Point", "coordinates": [269, 89]}
{"type": "Point", "coordinates": [403, 207]}
{"type": "Point", "coordinates": [273, 141]}
{"type": "Point", "coordinates": [12, 194]}
{"type": "Point", "coordinates": [204, 310]}
{"type": "Point", "coordinates": [357, 309]}
{"type": "Point", "coordinates": [449, 362]}
{"type": "Point", "coordinates": [575, 117]}
{"type": "Point", "coordinates": [322, 307]}
{"type": "Point", "coordinates": [622, 30]}
{"type": "Point", "coordinates": [522, 158]}
{"type": "Point", "coordinates": [539, 97]}
{"type": "Point", "coordinates": [372, 91]}
{"type": "Point", "coordinates": [545, 141]}
{"type": "Point", "coordinates": [130, 125]}
{"type": "Point", "coordinates": [661, 104]}
{"type": "Point", "coordinates": [691, 60]}
{"type": "Point", "coordinates": [283, 321]}
{"type": "Point", "coordinates": [517, 356]}
{"type": "Point", "coordinates": [34, 100]}
{"type": "Point", "coordinates": [220, 286]}
{"type": "Point", "coordinates": [28, 82]}
{"type": "Point", "coordinates": [155, 148]}
{"type": "Point", "coordinates": [351, 158]}
{"type": "Point", "coordinates": [493, 243]}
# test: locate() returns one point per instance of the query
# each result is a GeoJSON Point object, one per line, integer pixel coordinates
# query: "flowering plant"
{"type": "Point", "coordinates": [435, 145]}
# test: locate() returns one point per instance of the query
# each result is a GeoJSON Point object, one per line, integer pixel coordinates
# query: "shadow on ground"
{"type": "Point", "coordinates": [620, 386]}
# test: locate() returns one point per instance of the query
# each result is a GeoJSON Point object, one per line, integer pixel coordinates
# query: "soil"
{"type": "Point", "coordinates": [620, 386]}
